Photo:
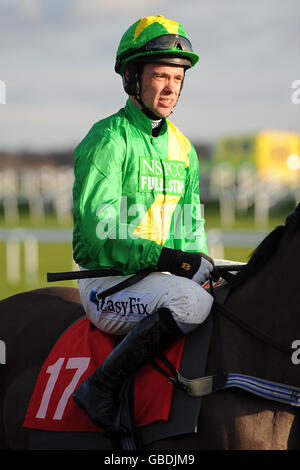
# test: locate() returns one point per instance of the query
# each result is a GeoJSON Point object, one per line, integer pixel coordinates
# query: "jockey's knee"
{"type": "Point", "coordinates": [189, 303]}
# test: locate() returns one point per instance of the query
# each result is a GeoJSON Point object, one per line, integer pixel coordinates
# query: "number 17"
{"type": "Point", "coordinates": [79, 363]}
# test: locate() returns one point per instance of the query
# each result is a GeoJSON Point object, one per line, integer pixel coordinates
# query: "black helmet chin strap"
{"type": "Point", "coordinates": [147, 111]}
{"type": "Point", "coordinates": [137, 92]}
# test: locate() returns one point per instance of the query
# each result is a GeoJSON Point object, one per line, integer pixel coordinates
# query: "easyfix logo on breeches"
{"type": "Point", "coordinates": [122, 304]}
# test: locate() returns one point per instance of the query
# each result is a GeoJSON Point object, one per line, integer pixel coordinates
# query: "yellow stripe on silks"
{"type": "Point", "coordinates": [179, 145]}
{"type": "Point", "coordinates": [171, 26]}
{"type": "Point", "coordinates": [155, 225]}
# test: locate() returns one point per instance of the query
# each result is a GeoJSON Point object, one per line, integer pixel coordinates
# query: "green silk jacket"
{"type": "Point", "coordinates": [134, 193]}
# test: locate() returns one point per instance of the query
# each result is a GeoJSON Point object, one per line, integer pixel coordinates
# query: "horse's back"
{"type": "Point", "coordinates": [31, 322]}
{"type": "Point", "coordinates": [68, 294]}
{"type": "Point", "coordinates": [45, 301]}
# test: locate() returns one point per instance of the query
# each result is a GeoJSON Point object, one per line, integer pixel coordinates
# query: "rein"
{"type": "Point", "coordinates": [217, 310]}
{"type": "Point", "coordinates": [263, 337]}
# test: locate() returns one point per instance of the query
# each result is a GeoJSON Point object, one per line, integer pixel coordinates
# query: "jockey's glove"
{"type": "Point", "coordinates": [195, 266]}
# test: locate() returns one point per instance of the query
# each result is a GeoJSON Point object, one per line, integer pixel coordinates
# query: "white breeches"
{"type": "Point", "coordinates": [188, 302]}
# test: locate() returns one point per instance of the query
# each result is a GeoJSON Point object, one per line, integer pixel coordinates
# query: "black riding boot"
{"type": "Point", "coordinates": [97, 396]}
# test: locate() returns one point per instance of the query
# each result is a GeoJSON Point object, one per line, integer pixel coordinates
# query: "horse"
{"type": "Point", "coordinates": [265, 296]}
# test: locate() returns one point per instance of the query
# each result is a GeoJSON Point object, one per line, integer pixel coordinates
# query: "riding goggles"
{"type": "Point", "coordinates": [161, 43]}
{"type": "Point", "coordinates": [167, 41]}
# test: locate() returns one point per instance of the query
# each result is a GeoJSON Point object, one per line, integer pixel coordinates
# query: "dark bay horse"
{"type": "Point", "coordinates": [264, 295]}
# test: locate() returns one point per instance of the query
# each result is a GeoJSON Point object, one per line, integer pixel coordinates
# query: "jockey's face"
{"type": "Point", "coordinates": [161, 85]}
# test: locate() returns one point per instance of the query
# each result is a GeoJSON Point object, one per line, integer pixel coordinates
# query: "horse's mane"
{"type": "Point", "coordinates": [266, 248]}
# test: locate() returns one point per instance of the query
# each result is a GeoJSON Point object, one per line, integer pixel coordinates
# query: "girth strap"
{"type": "Point", "coordinates": [264, 388]}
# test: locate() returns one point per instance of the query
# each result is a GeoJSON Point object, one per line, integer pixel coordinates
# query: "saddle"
{"type": "Point", "coordinates": [160, 409]}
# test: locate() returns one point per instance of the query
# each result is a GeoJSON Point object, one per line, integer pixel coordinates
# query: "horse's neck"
{"type": "Point", "coordinates": [269, 301]}
{"type": "Point", "coordinates": [274, 285]}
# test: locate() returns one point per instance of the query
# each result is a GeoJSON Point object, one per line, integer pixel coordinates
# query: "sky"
{"type": "Point", "coordinates": [57, 64]}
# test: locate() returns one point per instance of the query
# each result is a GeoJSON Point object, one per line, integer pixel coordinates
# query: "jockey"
{"type": "Point", "coordinates": [136, 206]}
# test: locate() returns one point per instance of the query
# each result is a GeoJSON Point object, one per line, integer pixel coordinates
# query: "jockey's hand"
{"type": "Point", "coordinates": [203, 273]}
{"type": "Point", "coordinates": [196, 266]}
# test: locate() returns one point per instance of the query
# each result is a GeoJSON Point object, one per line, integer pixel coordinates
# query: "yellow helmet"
{"type": "Point", "coordinates": [155, 39]}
